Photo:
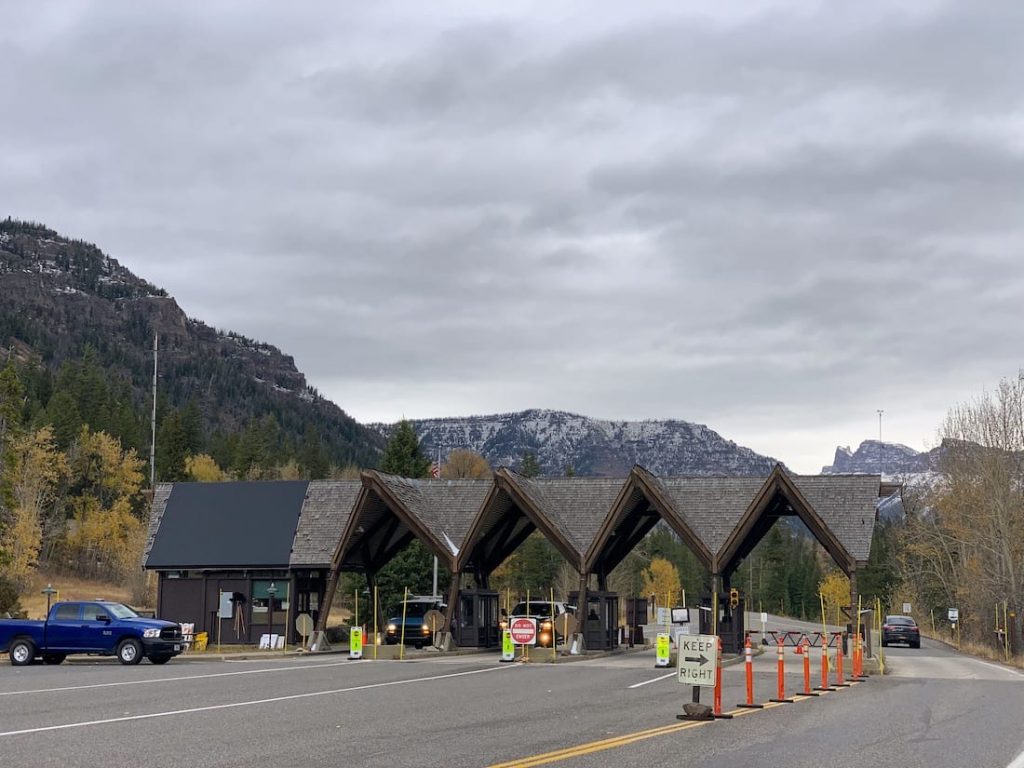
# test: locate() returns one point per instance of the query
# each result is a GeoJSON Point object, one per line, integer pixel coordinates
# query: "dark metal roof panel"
{"type": "Point", "coordinates": [216, 525]}
{"type": "Point", "coordinates": [325, 512]}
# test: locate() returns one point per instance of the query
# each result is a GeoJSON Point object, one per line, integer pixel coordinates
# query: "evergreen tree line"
{"type": "Point", "coordinates": [74, 459]}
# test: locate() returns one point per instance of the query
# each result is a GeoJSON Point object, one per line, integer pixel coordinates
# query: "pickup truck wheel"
{"type": "Point", "coordinates": [22, 652]}
{"type": "Point", "coordinates": [160, 658]}
{"type": "Point", "coordinates": [129, 651]}
{"type": "Point", "coordinates": [53, 658]}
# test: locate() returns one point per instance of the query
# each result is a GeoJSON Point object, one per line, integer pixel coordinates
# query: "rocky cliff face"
{"type": "Point", "coordinates": [61, 296]}
{"type": "Point", "coordinates": [889, 459]}
{"type": "Point", "coordinates": [592, 447]}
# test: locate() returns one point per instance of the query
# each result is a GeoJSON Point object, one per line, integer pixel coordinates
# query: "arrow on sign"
{"type": "Point", "coordinates": [702, 659]}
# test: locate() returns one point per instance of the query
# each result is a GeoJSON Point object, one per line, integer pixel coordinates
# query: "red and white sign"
{"type": "Point", "coordinates": [524, 631]}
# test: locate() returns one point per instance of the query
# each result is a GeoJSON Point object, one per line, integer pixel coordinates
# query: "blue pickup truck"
{"type": "Point", "coordinates": [95, 627]}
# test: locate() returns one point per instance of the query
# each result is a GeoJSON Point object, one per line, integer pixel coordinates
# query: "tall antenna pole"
{"type": "Point", "coordinates": [880, 412]}
{"type": "Point", "coordinates": [152, 423]}
{"type": "Point", "coordinates": [434, 593]}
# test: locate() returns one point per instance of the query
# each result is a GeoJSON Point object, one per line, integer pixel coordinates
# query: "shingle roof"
{"type": "Point", "coordinates": [711, 506]}
{"type": "Point", "coordinates": [846, 504]}
{"type": "Point", "coordinates": [446, 508]}
{"type": "Point", "coordinates": [325, 511]}
{"type": "Point", "coordinates": [576, 506]}
{"type": "Point", "coordinates": [161, 494]}
{"type": "Point", "coordinates": [225, 524]}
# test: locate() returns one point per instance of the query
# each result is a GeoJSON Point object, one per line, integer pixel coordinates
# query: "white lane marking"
{"type": "Point", "coordinates": [177, 679]}
{"type": "Point", "coordinates": [648, 682]}
{"type": "Point", "coordinates": [252, 703]}
{"type": "Point", "coordinates": [1016, 672]}
{"type": "Point", "coordinates": [1018, 762]}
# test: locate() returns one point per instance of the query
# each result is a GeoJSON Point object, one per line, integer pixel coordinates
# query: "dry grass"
{"type": "Point", "coordinates": [71, 588]}
{"type": "Point", "coordinates": [981, 651]}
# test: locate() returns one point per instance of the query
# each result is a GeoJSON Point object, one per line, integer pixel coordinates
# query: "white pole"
{"type": "Point", "coordinates": [152, 426]}
{"type": "Point", "coordinates": [880, 412]}
{"type": "Point", "coordinates": [434, 592]}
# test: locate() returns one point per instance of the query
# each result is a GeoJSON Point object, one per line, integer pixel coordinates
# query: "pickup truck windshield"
{"type": "Point", "coordinates": [537, 608]}
{"type": "Point", "coordinates": [121, 611]}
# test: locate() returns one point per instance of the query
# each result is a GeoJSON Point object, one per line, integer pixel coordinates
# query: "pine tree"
{"type": "Point", "coordinates": [403, 455]}
{"type": "Point", "coordinates": [412, 567]}
{"type": "Point", "coordinates": [529, 466]}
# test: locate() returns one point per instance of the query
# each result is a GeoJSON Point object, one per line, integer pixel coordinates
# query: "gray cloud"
{"type": "Point", "coordinates": [773, 219]}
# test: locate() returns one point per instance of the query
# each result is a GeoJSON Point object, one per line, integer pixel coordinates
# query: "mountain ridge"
{"type": "Point", "coordinates": [63, 297]}
{"type": "Point", "coordinates": [590, 446]}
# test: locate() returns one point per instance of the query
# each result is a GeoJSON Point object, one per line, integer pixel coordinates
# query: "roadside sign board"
{"type": "Point", "coordinates": [906, 609]}
{"type": "Point", "coordinates": [664, 616]}
{"type": "Point", "coordinates": [661, 648]}
{"type": "Point", "coordinates": [508, 648]}
{"type": "Point", "coordinates": [355, 643]}
{"type": "Point", "coordinates": [524, 631]}
{"type": "Point", "coordinates": [696, 659]}
{"type": "Point", "coordinates": [764, 617]}
{"type": "Point", "coordinates": [954, 614]}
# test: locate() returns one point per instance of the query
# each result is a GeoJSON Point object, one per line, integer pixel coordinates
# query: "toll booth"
{"type": "Point", "coordinates": [598, 619]}
{"type": "Point", "coordinates": [636, 617]}
{"type": "Point", "coordinates": [731, 624]}
{"type": "Point", "coordinates": [476, 619]}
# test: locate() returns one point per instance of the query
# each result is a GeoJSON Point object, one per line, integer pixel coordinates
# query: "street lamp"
{"type": "Point", "coordinates": [271, 591]}
{"type": "Point", "coordinates": [49, 592]}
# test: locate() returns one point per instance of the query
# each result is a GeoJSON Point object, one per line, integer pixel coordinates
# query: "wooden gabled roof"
{"type": "Point", "coordinates": [324, 515]}
{"type": "Point", "coordinates": [392, 510]}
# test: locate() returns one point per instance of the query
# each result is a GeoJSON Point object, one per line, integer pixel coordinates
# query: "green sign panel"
{"type": "Point", "coordinates": [508, 648]}
{"type": "Point", "coordinates": [662, 649]}
{"type": "Point", "coordinates": [355, 643]}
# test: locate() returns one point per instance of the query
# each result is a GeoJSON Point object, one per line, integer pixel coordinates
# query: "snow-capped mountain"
{"type": "Point", "coordinates": [888, 459]}
{"type": "Point", "coordinates": [592, 447]}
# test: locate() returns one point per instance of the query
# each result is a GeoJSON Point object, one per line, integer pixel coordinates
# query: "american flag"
{"type": "Point", "coordinates": [435, 470]}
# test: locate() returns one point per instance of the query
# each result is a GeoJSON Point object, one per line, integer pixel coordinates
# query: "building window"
{"type": "Point", "coordinates": [260, 600]}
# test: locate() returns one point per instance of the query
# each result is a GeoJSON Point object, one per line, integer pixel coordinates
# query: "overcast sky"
{"type": "Point", "coordinates": [773, 218]}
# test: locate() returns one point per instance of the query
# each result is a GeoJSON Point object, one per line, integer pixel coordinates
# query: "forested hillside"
{"type": "Point", "coordinates": [81, 328]}
{"type": "Point", "coordinates": [76, 335]}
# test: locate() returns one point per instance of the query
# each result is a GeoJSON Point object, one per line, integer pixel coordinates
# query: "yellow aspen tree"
{"type": "Point", "coordinates": [661, 578]}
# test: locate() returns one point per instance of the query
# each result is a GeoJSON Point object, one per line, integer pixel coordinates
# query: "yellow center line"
{"type": "Point", "coordinates": [627, 738]}
{"type": "Point", "coordinates": [598, 746]}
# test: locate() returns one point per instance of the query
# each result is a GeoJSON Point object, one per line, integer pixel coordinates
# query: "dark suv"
{"type": "Point", "coordinates": [417, 633]}
{"type": "Point", "coordinates": [901, 629]}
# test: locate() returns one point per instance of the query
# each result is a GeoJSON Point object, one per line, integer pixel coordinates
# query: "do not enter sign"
{"type": "Point", "coordinates": [524, 631]}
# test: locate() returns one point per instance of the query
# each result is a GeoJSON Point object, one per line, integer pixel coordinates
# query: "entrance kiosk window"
{"type": "Point", "coordinates": [599, 619]}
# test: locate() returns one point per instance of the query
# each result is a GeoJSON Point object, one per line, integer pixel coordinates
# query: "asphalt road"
{"type": "Point", "coordinates": [936, 709]}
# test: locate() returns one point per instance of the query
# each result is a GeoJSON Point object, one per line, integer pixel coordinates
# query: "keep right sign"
{"type": "Point", "coordinates": [696, 660]}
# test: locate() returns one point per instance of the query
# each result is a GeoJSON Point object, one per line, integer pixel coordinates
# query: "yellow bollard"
{"type": "Point", "coordinates": [401, 643]}
{"type": "Point", "coordinates": [554, 630]}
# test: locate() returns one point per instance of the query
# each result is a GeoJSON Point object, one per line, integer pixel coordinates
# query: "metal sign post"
{"type": "Point", "coordinates": [696, 665]}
